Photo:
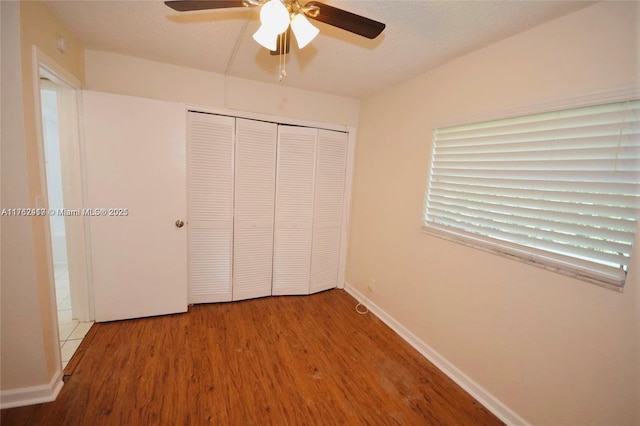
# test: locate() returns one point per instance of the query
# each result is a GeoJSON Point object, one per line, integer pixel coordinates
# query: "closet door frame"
{"type": "Point", "coordinates": [351, 130]}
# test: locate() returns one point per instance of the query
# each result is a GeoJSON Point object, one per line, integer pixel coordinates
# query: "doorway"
{"type": "Point", "coordinates": [62, 177]}
{"type": "Point", "coordinates": [71, 329]}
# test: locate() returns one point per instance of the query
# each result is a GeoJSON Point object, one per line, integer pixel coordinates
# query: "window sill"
{"type": "Point", "coordinates": [549, 261]}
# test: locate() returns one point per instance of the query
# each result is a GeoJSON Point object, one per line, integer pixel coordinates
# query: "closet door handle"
{"type": "Point", "coordinates": [179, 223]}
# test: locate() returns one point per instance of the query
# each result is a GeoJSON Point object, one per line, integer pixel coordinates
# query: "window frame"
{"type": "Point", "coordinates": [565, 265]}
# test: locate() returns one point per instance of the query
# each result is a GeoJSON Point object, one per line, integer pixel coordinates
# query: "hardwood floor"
{"type": "Point", "coordinates": [292, 360]}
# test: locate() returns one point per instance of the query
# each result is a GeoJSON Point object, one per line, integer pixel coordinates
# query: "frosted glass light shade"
{"type": "Point", "coordinates": [303, 30]}
{"type": "Point", "coordinates": [266, 37]}
{"type": "Point", "coordinates": [274, 16]}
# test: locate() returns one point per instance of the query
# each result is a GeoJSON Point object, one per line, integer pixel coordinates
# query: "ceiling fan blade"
{"type": "Point", "coordinates": [286, 43]}
{"type": "Point", "coordinates": [189, 5]}
{"type": "Point", "coordinates": [346, 20]}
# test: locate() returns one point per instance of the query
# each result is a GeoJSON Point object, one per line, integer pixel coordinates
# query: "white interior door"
{"type": "Point", "coordinates": [135, 167]}
{"type": "Point", "coordinates": [328, 207]}
{"type": "Point", "coordinates": [211, 157]}
{"type": "Point", "coordinates": [294, 209]}
{"type": "Point", "coordinates": [255, 174]}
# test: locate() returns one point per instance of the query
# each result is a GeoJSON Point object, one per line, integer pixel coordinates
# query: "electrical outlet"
{"type": "Point", "coordinates": [372, 284]}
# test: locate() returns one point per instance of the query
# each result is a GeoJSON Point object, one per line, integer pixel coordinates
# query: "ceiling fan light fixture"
{"type": "Point", "coordinates": [274, 16]}
{"type": "Point", "coordinates": [266, 37]}
{"type": "Point", "coordinates": [304, 30]}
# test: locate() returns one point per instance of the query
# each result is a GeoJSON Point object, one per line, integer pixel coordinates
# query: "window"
{"type": "Point", "coordinates": [560, 190]}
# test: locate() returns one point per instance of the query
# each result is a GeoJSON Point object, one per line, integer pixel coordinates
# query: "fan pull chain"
{"type": "Point", "coordinates": [283, 62]}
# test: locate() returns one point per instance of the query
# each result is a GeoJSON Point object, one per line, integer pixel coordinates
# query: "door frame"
{"type": "Point", "coordinates": [44, 66]}
{"type": "Point", "coordinates": [348, 185]}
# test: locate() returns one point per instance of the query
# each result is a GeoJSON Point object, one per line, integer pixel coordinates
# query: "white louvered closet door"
{"type": "Point", "coordinates": [255, 172]}
{"type": "Point", "coordinates": [294, 209]}
{"type": "Point", "coordinates": [210, 217]}
{"type": "Point", "coordinates": [328, 209]}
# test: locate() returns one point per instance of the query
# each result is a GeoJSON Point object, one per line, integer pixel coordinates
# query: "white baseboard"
{"type": "Point", "coordinates": [32, 394]}
{"type": "Point", "coordinates": [490, 402]}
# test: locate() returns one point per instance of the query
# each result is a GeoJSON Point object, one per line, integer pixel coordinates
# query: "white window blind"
{"type": "Point", "coordinates": [560, 190]}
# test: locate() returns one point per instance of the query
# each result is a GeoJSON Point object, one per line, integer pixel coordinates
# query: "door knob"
{"type": "Point", "coordinates": [179, 223]}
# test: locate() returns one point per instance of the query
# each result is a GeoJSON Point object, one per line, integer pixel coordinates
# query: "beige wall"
{"type": "Point", "coordinates": [29, 346]}
{"type": "Point", "coordinates": [127, 75]}
{"type": "Point", "coordinates": [554, 349]}
{"type": "Point", "coordinates": [22, 348]}
{"type": "Point", "coordinates": [39, 27]}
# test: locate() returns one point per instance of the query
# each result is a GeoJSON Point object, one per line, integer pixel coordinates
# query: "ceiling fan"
{"type": "Point", "coordinates": [279, 17]}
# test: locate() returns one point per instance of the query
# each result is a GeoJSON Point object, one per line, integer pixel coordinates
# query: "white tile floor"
{"type": "Point", "coordinates": [71, 331]}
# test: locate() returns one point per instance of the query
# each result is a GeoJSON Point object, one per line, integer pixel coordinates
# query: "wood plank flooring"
{"type": "Point", "coordinates": [292, 360]}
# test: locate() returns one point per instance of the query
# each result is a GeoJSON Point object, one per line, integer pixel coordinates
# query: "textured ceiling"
{"type": "Point", "coordinates": [419, 35]}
